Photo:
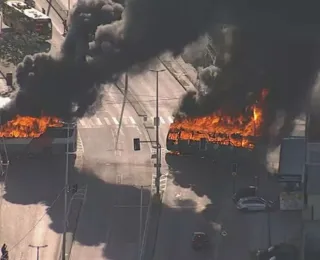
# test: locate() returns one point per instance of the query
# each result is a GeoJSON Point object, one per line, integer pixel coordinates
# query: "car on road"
{"type": "Point", "coordinates": [250, 191]}
{"type": "Point", "coordinates": [253, 204]}
{"type": "Point", "coordinates": [280, 251]}
{"type": "Point", "coordinates": [199, 240]}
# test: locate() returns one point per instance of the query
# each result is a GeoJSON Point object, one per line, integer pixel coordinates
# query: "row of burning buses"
{"type": "Point", "coordinates": [185, 136]}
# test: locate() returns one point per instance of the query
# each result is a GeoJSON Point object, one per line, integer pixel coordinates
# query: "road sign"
{"type": "Point", "coordinates": [234, 174]}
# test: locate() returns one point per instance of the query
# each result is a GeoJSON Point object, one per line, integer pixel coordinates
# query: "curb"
{"type": "Point", "coordinates": [71, 235]}
{"type": "Point", "coordinates": [152, 234]}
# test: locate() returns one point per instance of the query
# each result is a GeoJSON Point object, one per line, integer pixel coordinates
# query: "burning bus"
{"type": "Point", "coordinates": [25, 135]}
{"type": "Point", "coordinates": [217, 132]}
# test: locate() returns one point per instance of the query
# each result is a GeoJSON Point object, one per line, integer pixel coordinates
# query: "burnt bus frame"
{"type": "Point", "coordinates": [177, 146]}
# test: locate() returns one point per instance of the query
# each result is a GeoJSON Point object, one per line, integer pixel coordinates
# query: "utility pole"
{"type": "Point", "coordinates": [122, 108]}
{"type": "Point", "coordinates": [269, 226]}
{"type": "Point", "coordinates": [38, 249]}
{"type": "Point", "coordinates": [158, 151]}
{"type": "Point", "coordinates": [0, 22]}
{"type": "Point", "coordinates": [140, 217]}
{"type": "Point", "coordinates": [66, 189]}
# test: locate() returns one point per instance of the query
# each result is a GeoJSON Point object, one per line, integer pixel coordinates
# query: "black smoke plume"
{"type": "Point", "coordinates": [275, 46]}
{"type": "Point", "coordinates": [103, 41]}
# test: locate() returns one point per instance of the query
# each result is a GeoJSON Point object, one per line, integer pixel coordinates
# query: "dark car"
{"type": "Point", "coordinates": [250, 191]}
{"type": "Point", "coordinates": [199, 240]}
{"type": "Point", "coordinates": [281, 251]}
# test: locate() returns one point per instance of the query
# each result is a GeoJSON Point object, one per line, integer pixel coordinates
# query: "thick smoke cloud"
{"type": "Point", "coordinates": [274, 46]}
{"type": "Point", "coordinates": [103, 41]}
{"type": "Point", "coordinates": [277, 50]}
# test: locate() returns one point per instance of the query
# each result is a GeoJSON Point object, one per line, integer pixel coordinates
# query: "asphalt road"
{"type": "Point", "coordinates": [197, 196]}
{"type": "Point", "coordinates": [30, 216]}
{"type": "Point", "coordinates": [201, 191]}
{"type": "Point", "coordinates": [109, 224]}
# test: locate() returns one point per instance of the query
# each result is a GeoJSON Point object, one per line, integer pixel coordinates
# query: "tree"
{"type": "Point", "coordinates": [14, 46]}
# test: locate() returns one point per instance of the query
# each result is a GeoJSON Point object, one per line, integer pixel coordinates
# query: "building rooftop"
{"type": "Point", "coordinates": [292, 156]}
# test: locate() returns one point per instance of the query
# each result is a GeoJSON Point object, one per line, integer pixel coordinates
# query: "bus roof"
{"type": "Point", "coordinates": [27, 10]}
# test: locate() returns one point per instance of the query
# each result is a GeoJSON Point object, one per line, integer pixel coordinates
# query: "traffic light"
{"type": "Point", "coordinates": [9, 79]}
{"type": "Point", "coordinates": [203, 144]}
{"type": "Point", "coordinates": [136, 144]}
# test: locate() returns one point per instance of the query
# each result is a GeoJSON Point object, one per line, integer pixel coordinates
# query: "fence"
{"type": "Point", "coordinates": [59, 8]}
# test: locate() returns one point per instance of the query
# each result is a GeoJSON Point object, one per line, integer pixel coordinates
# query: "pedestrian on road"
{"type": "Point", "coordinates": [4, 249]}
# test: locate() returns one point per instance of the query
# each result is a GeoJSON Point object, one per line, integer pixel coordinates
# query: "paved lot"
{"type": "Point", "coordinates": [200, 190]}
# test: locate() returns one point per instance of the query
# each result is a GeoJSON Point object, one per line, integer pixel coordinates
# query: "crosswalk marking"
{"type": "Point", "coordinates": [128, 121]}
{"type": "Point", "coordinates": [97, 120]}
{"type": "Point", "coordinates": [84, 123]}
{"type": "Point", "coordinates": [132, 120]}
{"type": "Point", "coordinates": [162, 120]}
{"type": "Point", "coordinates": [115, 120]}
{"type": "Point", "coordinates": [107, 121]}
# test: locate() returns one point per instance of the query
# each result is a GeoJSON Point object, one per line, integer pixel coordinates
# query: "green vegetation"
{"type": "Point", "coordinates": [14, 47]}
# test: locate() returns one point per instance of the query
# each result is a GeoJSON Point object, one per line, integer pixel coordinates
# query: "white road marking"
{"type": "Point", "coordinates": [170, 119]}
{"type": "Point", "coordinates": [132, 120]}
{"type": "Point", "coordinates": [115, 120]}
{"type": "Point", "coordinates": [107, 121]}
{"type": "Point", "coordinates": [83, 123]}
{"type": "Point", "coordinates": [97, 120]}
{"type": "Point", "coordinates": [162, 120]}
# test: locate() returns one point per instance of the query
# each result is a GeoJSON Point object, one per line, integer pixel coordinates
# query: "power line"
{"type": "Point", "coordinates": [39, 220]}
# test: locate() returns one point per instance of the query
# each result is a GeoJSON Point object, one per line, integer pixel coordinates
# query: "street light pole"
{"type": "Point", "coordinates": [158, 166]}
{"type": "Point", "coordinates": [140, 218]}
{"type": "Point", "coordinates": [65, 213]}
{"type": "Point", "coordinates": [38, 249]}
{"type": "Point", "coordinates": [269, 227]}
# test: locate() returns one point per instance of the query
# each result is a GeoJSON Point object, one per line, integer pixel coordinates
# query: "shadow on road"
{"type": "Point", "coordinates": [110, 219]}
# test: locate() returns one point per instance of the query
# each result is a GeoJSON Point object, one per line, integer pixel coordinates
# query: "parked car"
{"type": "Point", "coordinates": [281, 251]}
{"type": "Point", "coordinates": [250, 191]}
{"type": "Point", "coordinates": [199, 240]}
{"type": "Point", "coordinates": [253, 204]}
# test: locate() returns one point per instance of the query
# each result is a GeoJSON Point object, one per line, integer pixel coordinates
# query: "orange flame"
{"type": "Point", "coordinates": [222, 129]}
{"type": "Point", "coordinates": [26, 126]}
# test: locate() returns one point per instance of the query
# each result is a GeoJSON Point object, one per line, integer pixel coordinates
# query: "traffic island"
{"type": "Point", "coordinates": [152, 228]}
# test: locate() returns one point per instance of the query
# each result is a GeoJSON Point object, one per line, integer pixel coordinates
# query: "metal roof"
{"type": "Point", "coordinates": [292, 156]}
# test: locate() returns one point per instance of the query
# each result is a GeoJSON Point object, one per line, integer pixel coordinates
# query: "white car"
{"type": "Point", "coordinates": [253, 204]}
